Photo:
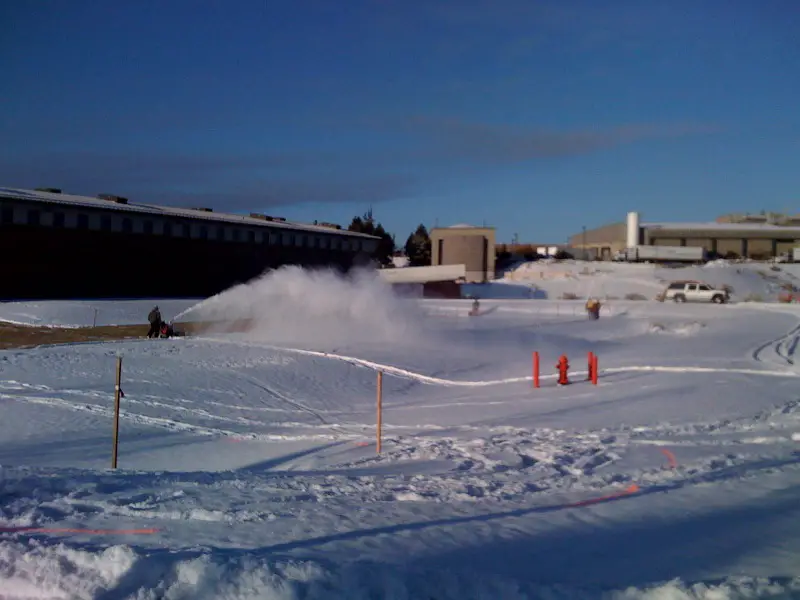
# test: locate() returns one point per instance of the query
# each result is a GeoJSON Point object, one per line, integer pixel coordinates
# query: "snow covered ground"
{"type": "Point", "coordinates": [554, 280]}
{"type": "Point", "coordinates": [248, 467]}
{"type": "Point", "coordinates": [71, 313]}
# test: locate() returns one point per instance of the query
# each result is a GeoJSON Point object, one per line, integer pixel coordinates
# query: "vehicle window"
{"type": "Point", "coordinates": [705, 288]}
{"type": "Point", "coordinates": [692, 287]}
{"type": "Point", "coordinates": [676, 286]}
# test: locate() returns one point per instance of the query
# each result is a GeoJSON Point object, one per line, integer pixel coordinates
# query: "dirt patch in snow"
{"type": "Point", "coordinates": [28, 336]}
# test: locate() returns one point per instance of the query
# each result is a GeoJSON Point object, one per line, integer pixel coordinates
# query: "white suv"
{"type": "Point", "coordinates": [694, 291]}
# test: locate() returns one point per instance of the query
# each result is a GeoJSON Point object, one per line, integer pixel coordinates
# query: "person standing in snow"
{"type": "Point", "coordinates": [155, 322]}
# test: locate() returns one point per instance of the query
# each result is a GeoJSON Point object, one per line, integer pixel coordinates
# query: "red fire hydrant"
{"type": "Point", "coordinates": [563, 368]}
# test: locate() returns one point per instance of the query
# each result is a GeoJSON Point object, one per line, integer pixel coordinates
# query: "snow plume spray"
{"type": "Point", "coordinates": [292, 305]}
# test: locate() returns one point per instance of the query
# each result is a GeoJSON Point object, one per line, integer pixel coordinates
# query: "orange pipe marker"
{"type": "Point", "coordinates": [673, 462]}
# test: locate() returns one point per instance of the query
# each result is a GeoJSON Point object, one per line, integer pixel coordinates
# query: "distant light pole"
{"type": "Point", "coordinates": [584, 243]}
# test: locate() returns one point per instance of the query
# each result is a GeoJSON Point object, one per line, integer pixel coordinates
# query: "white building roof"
{"type": "Point", "coordinates": [152, 209]}
{"type": "Point", "coordinates": [423, 274]}
{"type": "Point", "coordinates": [714, 226]}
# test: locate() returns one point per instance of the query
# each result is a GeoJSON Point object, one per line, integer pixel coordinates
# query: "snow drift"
{"type": "Point", "coordinates": [34, 570]}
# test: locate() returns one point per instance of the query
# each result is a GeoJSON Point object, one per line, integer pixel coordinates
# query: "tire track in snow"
{"type": "Point", "coordinates": [788, 340]}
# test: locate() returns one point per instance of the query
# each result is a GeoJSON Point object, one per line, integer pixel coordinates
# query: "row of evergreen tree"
{"type": "Point", "coordinates": [417, 246]}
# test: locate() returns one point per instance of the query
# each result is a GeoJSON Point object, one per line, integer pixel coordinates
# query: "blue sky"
{"type": "Point", "coordinates": [536, 117]}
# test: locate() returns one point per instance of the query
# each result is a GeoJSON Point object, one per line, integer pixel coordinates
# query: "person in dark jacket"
{"type": "Point", "coordinates": [155, 322]}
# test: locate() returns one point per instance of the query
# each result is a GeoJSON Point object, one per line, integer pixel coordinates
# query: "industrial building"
{"type": "Point", "coordinates": [757, 237]}
{"type": "Point", "coordinates": [56, 245]}
{"type": "Point", "coordinates": [466, 245]}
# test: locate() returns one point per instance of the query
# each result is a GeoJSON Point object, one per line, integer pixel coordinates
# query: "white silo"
{"type": "Point", "coordinates": [633, 230]}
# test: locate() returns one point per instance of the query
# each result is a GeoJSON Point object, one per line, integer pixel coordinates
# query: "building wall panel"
{"type": "Point", "coordinates": [50, 262]}
{"type": "Point", "coordinates": [664, 241]}
{"type": "Point", "coordinates": [759, 248]}
{"type": "Point", "coordinates": [726, 245]}
{"type": "Point", "coordinates": [706, 243]}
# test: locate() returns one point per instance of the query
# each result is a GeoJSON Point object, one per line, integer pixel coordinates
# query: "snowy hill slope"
{"type": "Point", "coordinates": [554, 280]}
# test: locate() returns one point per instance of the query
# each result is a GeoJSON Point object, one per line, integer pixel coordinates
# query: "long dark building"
{"type": "Point", "coordinates": [55, 246]}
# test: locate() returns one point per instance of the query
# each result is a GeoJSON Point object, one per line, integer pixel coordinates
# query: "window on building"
{"type": "Point", "coordinates": [127, 225]}
{"type": "Point", "coordinates": [251, 236]}
{"type": "Point", "coordinates": [299, 240]}
{"type": "Point", "coordinates": [58, 220]}
{"type": "Point", "coordinates": [147, 227]}
{"type": "Point", "coordinates": [167, 228]}
{"type": "Point", "coordinates": [203, 232]}
{"type": "Point", "coordinates": [180, 230]}
{"type": "Point", "coordinates": [237, 235]}
{"type": "Point", "coordinates": [105, 223]}
{"type": "Point", "coordinates": [324, 243]}
{"type": "Point", "coordinates": [7, 214]}
{"type": "Point", "coordinates": [34, 217]}
{"type": "Point", "coordinates": [83, 221]}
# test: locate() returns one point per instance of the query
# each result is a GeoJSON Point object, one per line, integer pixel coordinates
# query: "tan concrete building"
{"type": "Point", "coordinates": [750, 240]}
{"type": "Point", "coordinates": [602, 242]}
{"type": "Point", "coordinates": [473, 247]}
{"type": "Point", "coordinates": [751, 236]}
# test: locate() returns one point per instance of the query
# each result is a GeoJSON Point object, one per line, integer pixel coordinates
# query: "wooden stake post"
{"type": "Point", "coordinates": [380, 409]}
{"type": "Point", "coordinates": [117, 391]}
{"type": "Point", "coordinates": [536, 369]}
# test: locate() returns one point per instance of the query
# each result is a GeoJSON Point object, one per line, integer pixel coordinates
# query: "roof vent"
{"type": "Point", "coordinates": [113, 198]}
{"type": "Point", "coordinates": [328, 225]}
{"type": "Point", "coordinates": [49, 190]}
{"type": "Point", "coordinates": [266, 217]}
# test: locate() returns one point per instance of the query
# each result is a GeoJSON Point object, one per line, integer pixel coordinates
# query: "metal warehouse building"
{"type": "Point", "coordinates": [749, 236]}
{"type": "Point", "coordinates": [56, 245]}
{"type": "Point", "coordinates": [466, 245]}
